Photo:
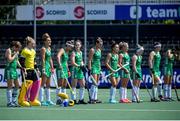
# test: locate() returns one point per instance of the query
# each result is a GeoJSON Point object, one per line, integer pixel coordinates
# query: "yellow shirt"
{"type": "Point", "coordinates": [29, 55]}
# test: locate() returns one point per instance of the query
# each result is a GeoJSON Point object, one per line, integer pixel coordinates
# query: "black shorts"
{"type": "Point", "coordinates": [31, 75]}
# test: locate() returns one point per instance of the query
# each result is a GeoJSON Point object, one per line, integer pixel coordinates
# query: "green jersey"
{"type": "Point", "coordinates": [63, 73]}
{"type": "Point", "coordinates": [168, 68]}
{"type": "Point", "coordinates": [96, 62]}
{"type": "Point", "coordinates": [114, 63]}
{"type": "Point", "coordinates": [125, 60]}
{"type": "Point", "coordinates": [138, 68]}
{"type": "Point", "coordinates": [156, 64]}
{"type": "Point", "coordinates": [77, 72]}
{"type": "Point", "coordinates": [10, 69]}
{"type": "Point", "coordinates": [47, 62]}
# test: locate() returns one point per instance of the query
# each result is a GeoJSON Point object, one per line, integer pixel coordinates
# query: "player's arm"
{"type": "Point", "coordinates": [9, 57]}
{"type": "Point", "coordinates": [43, 51]}
{"type": "Point", "coordinates": [59, 55]}
{"type": "Point", "coordinates": [108, 58]}
{"type": "Point", "coordinates": [91, 53]}
{"type": "Point", "coordinates": [134, 59]}
{"type": "Point", "coordinates": [52, 65]}
{"type": "Point", "coordinates": [73, 60]}
{"type": "Point", "coordinates": [151, 58]}
{"type": "Point", "coordinates": [120, 63]}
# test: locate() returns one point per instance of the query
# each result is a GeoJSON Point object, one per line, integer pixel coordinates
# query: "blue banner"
{"type": "Point", "coordinates": [105, 83]}
{"type": "Point", "coordinates": [147, 12]}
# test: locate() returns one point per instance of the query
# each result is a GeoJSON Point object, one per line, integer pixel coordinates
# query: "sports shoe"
{"type": "Point", "coordinates": [98, 101]}
{"type": "Point", "coordinates": [112, 101]}
{"type": "Point", "coordinates": [10, 104]}
{"type": "Point", "coordinates": [75, 102]}
{"type": "Point", "coordinates": [155, 100]}
{"type": "Point", "coordinates": [92, 102]}
{"type": "Point", "coordinates": [50, 103]}
{"type": "Point", "coordinates": [44, 103]}
{"type": "Point", "coordinates": [170, 99]}
{"type": "Point", "coordinates": [82, 102]}
{"type": "Point", "coordinates": [16, 105]}
{"type": "Point", "coordinates": [59, 102]}
{"type": "Point", "coordinates": [161, 98]}
{"type": "Point", "coordinates": [123, 101]}
{"type": "Point", "coordinates": [127, 100]}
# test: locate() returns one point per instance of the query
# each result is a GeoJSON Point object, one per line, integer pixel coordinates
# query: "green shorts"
{"type": "Point", "coordinates": [77, 73]}
{"type": "Point", "coordinates": [11, 74]}
{"type": "Point", "coordinates": [96, 70]}
{"type": "Point", "coordinates": [123, 74]}
{"type": "Point", "coordinates": [62, 73]}
{"type": "Point", "coordinates": [157, 73]}
{"type": "Point", "coordinates": [134, 77]}
{"type": "Point", "coordinates": [47, 71]}
{"type": "Point", "coordinates": [116, 75]}
{"type": "Point", "coordinates": [168, 71]}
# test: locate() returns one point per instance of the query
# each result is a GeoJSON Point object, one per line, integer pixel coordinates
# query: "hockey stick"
{"type": "Point", "coordinates": [147, 88]}
{"type": "Point", "coordinates": [175, 89]}
{"type": "Point", "coordinates": [116, 70]}
{"type": "Point", "coordinates": [68, 83]}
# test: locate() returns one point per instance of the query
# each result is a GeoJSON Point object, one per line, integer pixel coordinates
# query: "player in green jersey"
{"type": "Point", "coordinates": [77, 73]}
{"type": "Point", "coordinates": [154, 63]}
{"type": "Point", "coordinates": [11, 74]}
{"type": "Point", "coordinates": [94, 66]}
{"type": "Point", "coordinates": [47, 69]}
{"type": "Point", "coordinates": [112, 64]}
{"type": "Point", "coordinates": [62, 70]}
{"type": "Point", "coordinates": [136, 71]}
{"type": "Point", "coordinates": [124, 58]}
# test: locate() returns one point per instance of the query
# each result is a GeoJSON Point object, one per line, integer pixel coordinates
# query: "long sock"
{"type": "Point", "coordinates": [81, 93]}
{"type": "Point", "coordinates": [92, 92]}
{"type": "Point", "coordinates": [96, 93]}
{"type": "Point", "coordinates": [138, 92]}
{"type": "Point", "coordinates": [14, 94]}
{"type": "Point", "coordinates": [41, 94]}
{"type": "Point", "coordinates": [125, 93]}
{"type": "Point", "coordinates": [154, 91]}
{"type": "Point", "coordinates": [57, 92]}
{"type": "Point", "coordinates": [48, 94]}
{"type": "Point", "coordinates": [63, 90]}
{"type": "Point", "coordinates": [169, 91]}
{"type": "Point", "coordinates": [166, 90]}
{"type": "Point", "coordinates": [9, 95]}
{"type": "Point", "coordinates": [135, 91]}
{"type": "Point", "coordinates": [73, 96]}
{"type": "Point", "coordinates": [159, 87]}
{"type": "Point", "coordinates": [111, 93]}
{"type": "Point", "coordinates": [122, 93]}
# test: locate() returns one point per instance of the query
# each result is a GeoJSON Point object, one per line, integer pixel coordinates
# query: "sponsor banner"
{"type": "Point", "coordinates": [66, 12]}
{"type": "Point", "coordinates": [105, 82]}
{"type": "Point", "coordinates": [147, 12]}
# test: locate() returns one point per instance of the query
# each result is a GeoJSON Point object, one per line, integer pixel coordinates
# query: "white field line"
{"type": "Point", "coordinates": [100, 109]}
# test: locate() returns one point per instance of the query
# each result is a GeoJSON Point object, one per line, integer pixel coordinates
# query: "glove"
{"type": "Point", "coordinates": [43, 71]}
{"type": "Point", "coordinates": [83, 68]}
{"type": "Point", "coordinates": [138, 75]}
{"type": "Point", "coordinates": [89, 72]}
{"type": "Point", "coordinates": [52, 70]}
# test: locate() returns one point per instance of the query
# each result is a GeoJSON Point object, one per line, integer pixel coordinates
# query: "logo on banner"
{"type": "Point", "coordinates": [133, 12]}
{"type": "Point", "coordinates": [79, 12]}
{"type": "Point", "coordinates": [39, 12]}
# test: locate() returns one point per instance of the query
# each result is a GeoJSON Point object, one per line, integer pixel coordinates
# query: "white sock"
{"type": "Point", "coordinates": [81, 93]}
{"type": "Point", "coordinates": [41, 94]}
{"type": "Point", "coordinates": [138, 92]}
{"type": "Point", "coordinates": [122, 93]}
{"type": "Point", "coordinates": [9, 95]}
{"type": "Point", "coordinates": [96, 93]}
{"type": "Point", "coordinates": [125, 93]}
{"type": "Point", "coordinates": [63, 90]}
{"type": "Point", "coordinates": [57, 92]}
{"type": "Point", "coordinates": [48, 94]}
{"type": "Point", "coordinates": [166, 90]}
{"type": "Point", "coordinates": [14, 94]}
{"type": "Point", "coordinates": [169, 91]}
{"type": "Point", "coordinates": [154, 91]}
{"type": "Point", "coordinates": [159, 87]}
{"type": "Point", "coordinates": [92, 92]}
{"type": "Point", "coordinates": [73, 96]}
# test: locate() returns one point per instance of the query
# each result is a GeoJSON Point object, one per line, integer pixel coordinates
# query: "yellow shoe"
{"type": "Point", "coordinates": [35, 103]}
{"type": "Point", "coordinates": [24, 104]}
